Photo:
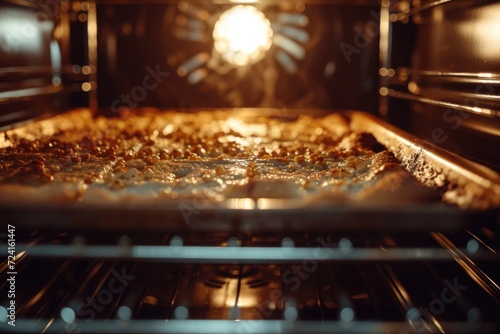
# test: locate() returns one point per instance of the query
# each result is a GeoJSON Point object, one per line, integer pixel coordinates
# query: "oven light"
{"type": "Point", "coordinates": [242, 35]}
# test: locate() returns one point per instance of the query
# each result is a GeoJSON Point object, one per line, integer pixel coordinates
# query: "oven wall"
{"type": "Point", "coordinates": [450, 80]}
{"type": "Point", "coordinates": [331, 60]}
{"type": "Point", "coordinates": [43, 52]}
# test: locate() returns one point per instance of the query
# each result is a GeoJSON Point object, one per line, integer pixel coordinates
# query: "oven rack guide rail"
{"type": "Point", "coordinates": [176, 252]}
{"type": "Point", "coordinates": [241, 326]}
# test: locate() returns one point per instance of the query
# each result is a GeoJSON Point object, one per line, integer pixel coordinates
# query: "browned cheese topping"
{"type": "Point", "coordinates": [153, 155]}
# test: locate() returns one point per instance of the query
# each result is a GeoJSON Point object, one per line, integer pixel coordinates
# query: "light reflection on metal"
{"type": "Point", "coordinates": [56, 60]}
{"type": "Point", "coordinates": [124, 313]}
{"type": "Point", "coordinates": [487, 33]}
{"type": "Point", "coordinates": [292, 18]}
{"type": "Point", "coordinates": [411, 97]}
{"type": "Point", "coordinates": [482, 242]}
{"type": "Point", "coordinates": [17, 258]}
{"type": "Point", "coordinates": [181, 313]}
{"type": "Point", "coordinates": [472, 246]}
{"type": "Point", "coordinates": [412, 314]}
{"type": "Point", "coordinates": [192, 64]}
{"type": "Point", "coordinates": [193, 11]}
{"type": "Point", "coordinates": [197, 76]}
{"type": "Point", "coordinates": [86, 86]}
{"type": "Point", "coordinates": [286, 62]}
{"type": "Point", "coordinates": [295, 33]}
{"type": "Point", "coordinates": [242, 254]}
{"type": "Point", "coordinates": [21, 33]}
{"type": "Point", "coordinates": [193, 24]}
{"type": "Point", "coordinates": [474, 314]}
{"type": "Point", "coordinates": [194, 36]}
{"type": "Point", "coordinates": [92, 51]}
{"type": "Point", "coordinates": [479, 276]}
{"type": "Point", "coordinates": [290, 46]}
{"type": "Point", "coordinates": [290, 39]}
{"type": "Point", "coordinates": [242, 203]}
{"type": "Point", "coordinates": [346, 315]}
{"type": "Point", "coordinates": [207, 326]}
{"type": "Point", "coordinates": [384, 54]}
{"type": "Point", "coordinates": [244, 301]}
{"type": "Point", "coordinates": [68, 315]}
{"type": "Point", "coordinates": [291, 313]}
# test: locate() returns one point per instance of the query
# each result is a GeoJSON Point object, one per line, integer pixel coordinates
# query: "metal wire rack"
{"type": "Point", "coordinates": [359, 282]}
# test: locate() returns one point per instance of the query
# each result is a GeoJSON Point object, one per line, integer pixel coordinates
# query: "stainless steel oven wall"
{"type": "Point", "coordinates": [450, 79]}
{"type": "Point", "coordinates": [42, 57]}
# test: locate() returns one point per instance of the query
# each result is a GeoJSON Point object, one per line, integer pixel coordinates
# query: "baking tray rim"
{"type": "Point", "coordinates": [334, 216]}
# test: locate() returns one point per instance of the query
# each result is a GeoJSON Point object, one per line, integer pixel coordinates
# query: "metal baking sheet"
{"type": "Point", "coordinates": [458, 179]}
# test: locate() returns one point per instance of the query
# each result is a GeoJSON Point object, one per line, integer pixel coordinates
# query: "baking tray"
{"type": "Point", "coordinates": [471, 193]}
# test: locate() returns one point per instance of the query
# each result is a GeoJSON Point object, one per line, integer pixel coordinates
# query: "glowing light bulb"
{"type": "Point", "coordinates": [242, 35]}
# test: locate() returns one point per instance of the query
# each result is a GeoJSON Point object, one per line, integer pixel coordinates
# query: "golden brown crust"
{"type": "Point", "coordinates": [149, 155]}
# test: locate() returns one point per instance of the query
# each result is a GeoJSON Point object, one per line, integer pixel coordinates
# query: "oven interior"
{"type": "Point", "coordinates": [427, 67]}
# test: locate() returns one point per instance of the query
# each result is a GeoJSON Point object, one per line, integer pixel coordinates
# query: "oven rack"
{"type": "Point", "coordinates": [26, 94]}
{"type": "Point", "coordinates": [403, 10]}
{"type": "Point", "coordinates": [411, 96]}
{"type": "Point", "coordinates": [428, 87]}
{"type": "Point", "coordinates": [178, 253]}
{"type": "Point", "coordinates": [28, 91]}
{"type": "Point", "coordinates": [176, 266]}
{"type": "Point", "coordinates": [78, 74]}
{"type": "Point", "coordinates": [460, 90]}
{"type": "Point", "coordinates": [407, 9]}
{"type": "Point", "coordinates": [432, 247]}
{"type": "Point", "coordinates": [254, 326]}
{"type": "Point", "coordinates": [404, 73]}
{"type": "Point", "coordinates": [349, 316]}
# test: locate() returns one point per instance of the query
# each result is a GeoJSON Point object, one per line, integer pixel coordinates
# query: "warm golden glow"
{"type": "Point", "coordinates": [86, 86]}
{"type": "Point", "coordinates": [242, 35]}
{"type": "Point", "coordinates": [245, 129]}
